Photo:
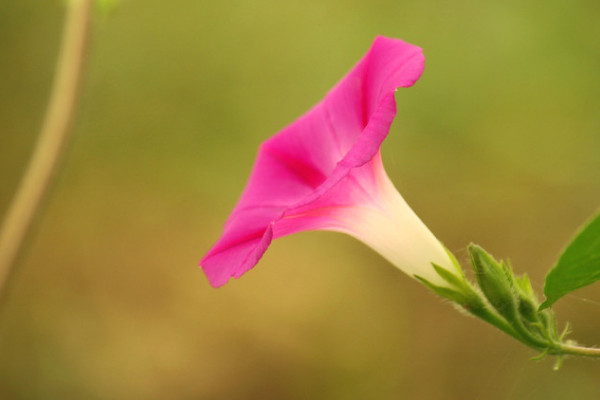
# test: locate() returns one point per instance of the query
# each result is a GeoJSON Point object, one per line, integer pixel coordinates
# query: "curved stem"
{"type": "Point", "coordinates": [52, 139]}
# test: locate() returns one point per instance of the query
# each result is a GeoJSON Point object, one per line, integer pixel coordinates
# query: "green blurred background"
{"type": "Point", "coordinates": [498, 143]}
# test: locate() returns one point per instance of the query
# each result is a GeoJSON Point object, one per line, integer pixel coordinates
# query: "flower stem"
{"type": "Point", "coordinates": [46, 157]}
{"type": "Point", "coordinates": [580, 350]}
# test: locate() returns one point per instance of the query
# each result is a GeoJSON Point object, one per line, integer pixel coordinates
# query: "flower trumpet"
{"type": "Point", "coordinates": [324, 172]}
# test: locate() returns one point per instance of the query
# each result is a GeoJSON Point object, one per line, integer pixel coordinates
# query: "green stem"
{"type": "Point", "coordinates": [531, 339]}
{"type": "Point", "coordinates": [53, 137]}
{"type": "Point", "coordinates": [580, 350]}
{"type": "Point", "coordinates": [496, 320]}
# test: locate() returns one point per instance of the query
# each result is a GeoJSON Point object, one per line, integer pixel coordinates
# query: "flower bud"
{"type": "Point", "coordinates": [495, 280]}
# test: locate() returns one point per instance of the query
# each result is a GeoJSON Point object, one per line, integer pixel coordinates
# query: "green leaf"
{"type": "Point", "coordinates": [578, 266]}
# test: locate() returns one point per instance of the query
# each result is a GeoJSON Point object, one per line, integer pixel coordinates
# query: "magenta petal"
{"type": "Point", "coordinates": [319, 163]}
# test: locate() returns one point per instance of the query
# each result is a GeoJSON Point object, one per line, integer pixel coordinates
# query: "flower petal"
{"type": "Point", "coordinates": [310, 164]}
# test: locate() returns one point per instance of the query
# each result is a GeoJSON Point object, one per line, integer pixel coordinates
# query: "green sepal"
{"type": "Point", "coordinates": [540, 356]}
{"type": "Point", "coordinates": [464, 296]}
{"type": "Point", "coordinates": [495, 280]}
{"type": "Point", "coordinates": [456, 264]}
{"type": "Point", "coordinates": [524, 284]}
{"type": "Point", "coordinates": [528, 304]}
{"type": "Point", "coordinates": [452, 279]}
{"type": "Point", "coordinates": [445, 292]}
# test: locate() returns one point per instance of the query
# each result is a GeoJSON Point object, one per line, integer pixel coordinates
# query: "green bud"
{"type": "Point", "coordinates": [496, 282]}
{"type": "Point", "coordinates": [528, 303]}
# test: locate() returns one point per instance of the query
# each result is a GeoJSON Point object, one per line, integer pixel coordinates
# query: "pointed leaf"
{"type": "Point", "coordinates": [578, 266]}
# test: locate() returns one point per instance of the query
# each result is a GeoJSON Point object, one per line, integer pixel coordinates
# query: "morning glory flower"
{"type": "Point", "coordinates": [324, 172]}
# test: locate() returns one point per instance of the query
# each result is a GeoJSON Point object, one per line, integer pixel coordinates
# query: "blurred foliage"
{"type": "Point", "coordinates": [497, 144]}
{"type": "Point", "coordinates": [107, 5]}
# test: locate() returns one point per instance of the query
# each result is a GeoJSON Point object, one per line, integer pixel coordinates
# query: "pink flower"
{"type": "Point", "coordinates": [324, 172]}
